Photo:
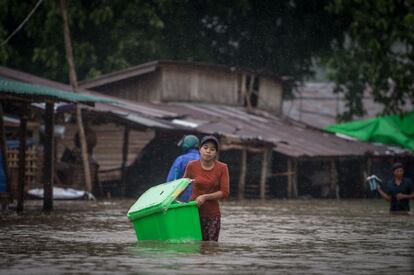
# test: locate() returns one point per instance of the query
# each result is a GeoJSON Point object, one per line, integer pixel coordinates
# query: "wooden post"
{"type": "Point", "coordinates": [263, 175]}
{"type": "Point", "coordinates": [48, 168]}
{"type": "Point", "coordinates": [3, 148]}
{"type": "Point", "coordinates": [289, 178]}
{"type": "Point", "coordinates": [243, 88]}
{"type": "Point", "coordinates": [124, 159]}
{"type": "Point", "coordinates": [367, 172]}
{"type": "Point", "coordinates": [242, 178]}
{"type": "Point", "coordinates": [295, 179]}
{"type": "Point", "coordinates": [74, 84]}
{"type": "Point", "coordinates": [334, 180]}
{"type": "Point", "coordinates": [22, 158]}
{"type": "Point", "coordinates": [249, 93]}
{"type": "Point", "coordinates": [369, 166]}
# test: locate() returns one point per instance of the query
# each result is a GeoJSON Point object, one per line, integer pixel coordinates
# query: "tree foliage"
{"type": "Point", "coordinates": [277, 36]}
{"type": "Point", "coordinates": [377, 56]}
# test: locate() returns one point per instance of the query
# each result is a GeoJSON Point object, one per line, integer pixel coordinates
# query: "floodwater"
{"type": "Point", "coordinates": [278, 236]}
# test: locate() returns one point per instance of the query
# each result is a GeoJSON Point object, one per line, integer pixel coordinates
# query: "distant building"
{"type": "Point", "coordinates": [317, 105]}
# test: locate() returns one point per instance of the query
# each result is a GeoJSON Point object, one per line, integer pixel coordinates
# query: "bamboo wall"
{"type": "Point", "coordinates": [34, 165]}
{"type": "Point", "coordinates": [108, 151]}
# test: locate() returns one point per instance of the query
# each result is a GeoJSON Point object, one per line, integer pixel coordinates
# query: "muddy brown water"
{"type": "Point", "coordinates": [271, 237]}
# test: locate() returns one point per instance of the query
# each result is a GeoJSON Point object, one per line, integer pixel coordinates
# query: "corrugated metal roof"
{"type": "Point", "coordinates": [139, 119]}
{"type": "Point", "coordinates": [38, 93]}
{"type": "Point", "coordinates": [121, 108]}
{"type": "Point", "coordinates": [289, 137]}
{"type": "Point", "coordinates": [30, 78]}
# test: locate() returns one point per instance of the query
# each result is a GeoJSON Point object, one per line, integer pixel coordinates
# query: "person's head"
{"type": "Point", "coordinates": [188, 142]}
{"type": "Point", "coordinates": [209, 147]}
{"type": "Point", "coordinates": [398, 170]}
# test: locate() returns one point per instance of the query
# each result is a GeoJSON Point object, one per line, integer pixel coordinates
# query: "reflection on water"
{"type": "Point", "coordinates": [313, 237]}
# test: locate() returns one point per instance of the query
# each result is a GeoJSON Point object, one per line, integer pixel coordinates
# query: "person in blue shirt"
{"type": "Point", "coordinates": [398, 191]}
{"type": "Point", "coordinates": [189, 148]}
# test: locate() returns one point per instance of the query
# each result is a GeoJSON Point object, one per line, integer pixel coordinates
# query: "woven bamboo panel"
{"type": "Point", "coordinates": [33, 169]}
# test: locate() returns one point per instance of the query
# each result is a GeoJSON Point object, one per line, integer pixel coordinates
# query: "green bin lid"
{"type": "Point", "coordinates": [157, 198]}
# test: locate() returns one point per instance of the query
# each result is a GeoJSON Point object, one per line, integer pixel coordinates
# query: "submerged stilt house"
{"type": "Point", "coordinates": [17, 98]}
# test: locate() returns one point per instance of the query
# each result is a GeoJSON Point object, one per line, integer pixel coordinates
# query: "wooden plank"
{"type": "Point", "coordinates": [263, 175]}
{"type": "Point", "coordinates": [334, 180]}
{"type": "Point", "coordinates": [282, 174]}
{"type": "Point", "coordinates": [249, 92]}
{"type": "Point", "coordinates": [258, 150]}
{"type": "Point", "coordinates": [124, 160]}
{"type": "Point", "coordinates": [22, 157]}
{"type": "Point", "coordinates": [289, 185]}
{"type": "Point", "coordinates": [48, 157]}
{"type": "Point", "coordinates": [295, 179]}
{"type": "Point", "coordinates": [183, 83]}
{"type": "Point", "coordinates": [367, 172]}
{"type": "Point", "coordinates": [270, 95]}
{"type": "Point", "coordinates": [242, 178]}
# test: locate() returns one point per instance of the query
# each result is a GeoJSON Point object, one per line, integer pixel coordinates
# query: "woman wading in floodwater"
{"type": "Point", "coordinates": [210, 184]}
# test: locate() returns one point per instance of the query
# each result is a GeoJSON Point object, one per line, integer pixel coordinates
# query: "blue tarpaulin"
{"type": "Point", "coordinates": [14, 144]}
{"type": "Point", "coordinates": [10, 144]}
{"type": "Point", "coordinates": [3, 184]}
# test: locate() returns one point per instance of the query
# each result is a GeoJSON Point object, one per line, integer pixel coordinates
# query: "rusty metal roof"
{"type": "Point", "coordinates": [289, 137]}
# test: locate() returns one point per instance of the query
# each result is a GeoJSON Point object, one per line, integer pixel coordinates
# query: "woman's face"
{"type": "Point", "coordinates": [399, 172]}
{"type": "Point", "coordinates": [208, 151]}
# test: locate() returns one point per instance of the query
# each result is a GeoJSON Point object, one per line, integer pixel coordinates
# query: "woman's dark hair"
{"type": "Point", "coordinates": [397, 165]}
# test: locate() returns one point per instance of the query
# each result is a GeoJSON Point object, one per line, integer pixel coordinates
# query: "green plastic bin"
{"type": "Point", "coordinates": [156, 215]}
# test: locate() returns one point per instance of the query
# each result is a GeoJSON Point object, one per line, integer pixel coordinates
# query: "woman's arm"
{"type": "Point", "coordinates": [208, 197]}
{"type": "Point", "coordinates": [218, 195]}
{"type": "Point", "coordinates": [384, 195]}
{"type": "Point", "coordinates": [401, 196]}
{"type": "Point", "coordinates": [410, 191]}
{"type": "Point", "coordinates": [187, 172]}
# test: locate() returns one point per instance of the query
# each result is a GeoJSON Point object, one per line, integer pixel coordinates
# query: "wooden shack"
{"type": "Point", "coordinates": [165, 81]}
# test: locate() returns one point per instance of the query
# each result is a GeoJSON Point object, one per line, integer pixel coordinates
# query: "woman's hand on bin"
{"type": "Point", "coordinates": [401, 196]}
{"type": "Point", "coordinates": [201, 200]}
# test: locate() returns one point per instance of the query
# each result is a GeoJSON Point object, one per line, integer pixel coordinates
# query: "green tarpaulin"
{"type": "Point", "coordinates": [392, 130]}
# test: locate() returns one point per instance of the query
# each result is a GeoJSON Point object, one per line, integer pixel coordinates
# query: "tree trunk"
{"type": "Point", "coordinates": [242, 177]}
{"type": "Point", "coordinates": [74, 84]}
